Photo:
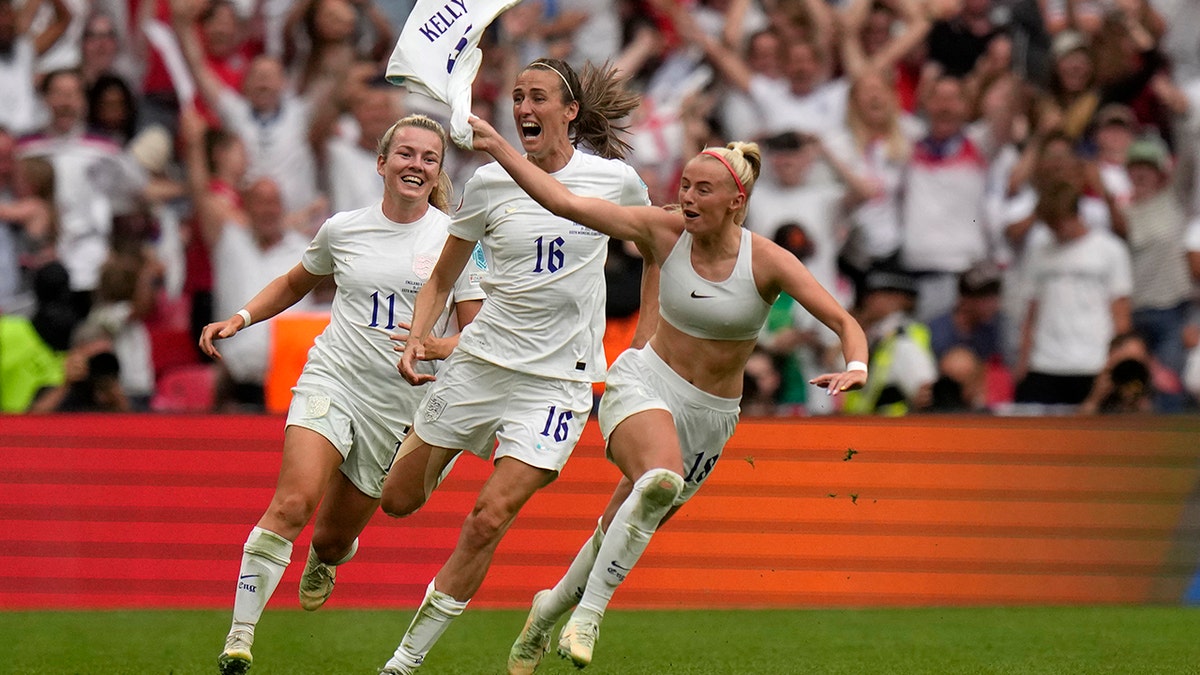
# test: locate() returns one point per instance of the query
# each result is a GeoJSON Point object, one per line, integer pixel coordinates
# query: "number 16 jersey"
{"type": "Point", "coordinates": [545, 285]}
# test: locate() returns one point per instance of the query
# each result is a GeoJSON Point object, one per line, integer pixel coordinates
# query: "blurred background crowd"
{"type": "Point", "coordinates": [1006, 192]}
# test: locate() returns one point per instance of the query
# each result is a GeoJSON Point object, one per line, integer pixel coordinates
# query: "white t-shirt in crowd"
{"type": "Point", "coordinates": [817, 208]}
{"type": "Point", "coordinates": [240, 270]}
{"type": "Point", "coordinates": [1075, 284]}
{"type": "Point", "coordinates": [276, 144]}
{"type": "Point", "coordinates": [91, 176]}
{"type": "Point", "coordinates": [378, 266]}
{"type": "Point", "coordinates": [19, 106]}
{"type": "Point", "coordinates": [820, 112]}
{"type": "Point", "coordinates": [545, 285]}
{"type": "Point", "coordinates": [354, 182]}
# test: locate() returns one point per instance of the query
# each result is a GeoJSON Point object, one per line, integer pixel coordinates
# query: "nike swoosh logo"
{"type": "Point", "coordinates": [509, 210]}
{"type": "Point", "coordinates": [698, 297]}
{"type": "Point", "coordinates": [620, 566]}
{"type": "Point", "coordinates": [247, 576]}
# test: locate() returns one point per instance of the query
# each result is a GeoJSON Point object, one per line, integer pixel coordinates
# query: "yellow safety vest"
{"type": "Point", "coordinates": [871, 399]}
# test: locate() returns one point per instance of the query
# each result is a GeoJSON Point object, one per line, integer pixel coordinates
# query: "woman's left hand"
{"type": "Point", "coordinates": [834, 383]}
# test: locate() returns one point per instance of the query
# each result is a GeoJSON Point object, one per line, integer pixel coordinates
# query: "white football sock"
{"type": "Point", "coordinates": [569, 589]}
{"type": "Point", "coordinates": [433, 617]}
{"type": "Point", "coordinates": [264, 557]}
{"type": "Point", "coordinates": [652, 497]}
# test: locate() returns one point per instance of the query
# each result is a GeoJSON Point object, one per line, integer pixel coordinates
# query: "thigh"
{"type": "Point", "coordinates": [511, 484]}
{"type": "Point", "coordinates": [418, 467]}
{"type": "Point", "coordinates": [643, 441]}
{"type": "Point", "coordinates": [309, 461]}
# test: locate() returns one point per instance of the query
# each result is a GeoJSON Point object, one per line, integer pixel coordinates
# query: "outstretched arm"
{"type": "Point", "coordinates": [783, 272]}
{"type": "Point", "coordinates": [430, 301]}
{"type": "Point", "coordinates": [283, 292]}
{"type": "Point", "coordinates": [632, 223]}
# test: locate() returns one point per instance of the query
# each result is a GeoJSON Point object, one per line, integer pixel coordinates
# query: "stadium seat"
{"type": "Point", "coordinates": [186, 389]}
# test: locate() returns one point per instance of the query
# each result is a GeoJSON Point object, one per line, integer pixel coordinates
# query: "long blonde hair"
{"type": "Point", "coordinates": [439, 197]}
{"type": "Point", "coordinates": [898, 146]}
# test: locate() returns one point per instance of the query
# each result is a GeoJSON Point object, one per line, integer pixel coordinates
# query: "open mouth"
{"type": "Point", "coordinates": [530, 130]}
{"type": "Point", "coordinates": [412, 180]}
{"type": "Point", "coordinates": [691, 213]}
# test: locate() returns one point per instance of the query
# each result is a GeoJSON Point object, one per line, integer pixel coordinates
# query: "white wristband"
{"type": "Point", "coordinates": [246, 319]}
{"type": "Point", "coordinates": [856, 365]}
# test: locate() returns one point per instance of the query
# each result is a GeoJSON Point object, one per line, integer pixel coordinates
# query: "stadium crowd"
{"type": "Point", "coordinates": [1005, 192]}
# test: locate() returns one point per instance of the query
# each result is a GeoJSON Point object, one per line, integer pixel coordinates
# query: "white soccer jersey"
{"type": "Point", "coordinates": [545, 283]}
{"type": "Point", "coordinates": [379, 266]}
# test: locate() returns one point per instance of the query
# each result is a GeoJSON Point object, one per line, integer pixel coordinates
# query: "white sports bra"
{"type": "Point", "coordinates": [713, 310]}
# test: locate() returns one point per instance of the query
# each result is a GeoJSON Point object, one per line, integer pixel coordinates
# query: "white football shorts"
{"type": "Point", "coordinates": [366, 444]}
{"type": "Point", "coordinates": [639, 380]}
{"type": "Point", "coordinates": [475, 403]}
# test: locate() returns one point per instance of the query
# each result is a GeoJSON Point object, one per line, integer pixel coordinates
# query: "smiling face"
{"type": "Point", "coordinates": [707, 194]}
{"type": "Point", "coordinates": [541, 113]}
{"type": "Point", "coordinates": [412, 164]}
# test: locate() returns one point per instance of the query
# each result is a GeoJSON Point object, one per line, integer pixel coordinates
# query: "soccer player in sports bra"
{"type": "Point", "coordinates": [523, 371]}
{"type": "Point", "coordinates": [670, 407]}
{"type": "Point", "coordinates": [350, 409]}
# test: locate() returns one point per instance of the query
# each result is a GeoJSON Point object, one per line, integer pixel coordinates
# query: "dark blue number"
{"type": "Point", "coordinates": [562, 430]}
{"type": "Point", "coordinates": [701, 468]}
{"type": "Point", "coordinates": [553, 255]}
{"type": "Point", "coordinates": [391, 322]}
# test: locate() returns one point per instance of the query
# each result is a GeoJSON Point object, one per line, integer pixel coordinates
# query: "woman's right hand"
{"type": "Point", "coordinates": [485, 137]}
{"type": "Point", "coordinates": [219, 330]}
{"type": "Point", "coordinates": [414, 352]}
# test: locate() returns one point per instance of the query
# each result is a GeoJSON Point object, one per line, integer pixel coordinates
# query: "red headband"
{"type": "Point", "coordinates": [713, 153]}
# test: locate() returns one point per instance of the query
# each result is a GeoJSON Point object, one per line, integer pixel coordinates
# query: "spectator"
{"type": "Point", "coordinates": [1154, 228]}
{"type": "Point", "coordinates": [273, 124]}
{"type": "Point", "coordinates": [1131, 379]}
{"type": "Point", "coordinates": [28, 366]}
{"type": "Point", "coordinates": [974, 322]}
{"type": "Point", "coordinates": [943, 219]}
{"type": "Point", "coordinates": [877, 147]}
{"type": "Point", "coordinates": [875, 44]}
{"type": "Point", "coordinates": [332, 33]}
{"type": "Point", "coordinates": [902, 366]}
{"type": "Point", "coordinates": [1116, 127]}
{"type": "Point", "coordinates": [1079, 285]}
{"type": "Point", "coordinates": [19, 50]}
{"type": "Point", "coordinates": [806, 99]}
{"type": "Point", "coordinates": [94, 181]}
{"type": "Point", "coordinates": [960, 387]}
{"type": "Point", "coordinates": [245, 258]}
{"type": "Point", "coordinates": [93, 385]}
{"type": "Point", "coordinates": [112, 109]}
{"type": "Point", "coordinates": [350, 162]}
{"type": "Point", "coordinates": [125, 297]}
{"type": "Point", "coordinates": [102, 53]}
{"type": "Point", "coordinates": [958, 40]}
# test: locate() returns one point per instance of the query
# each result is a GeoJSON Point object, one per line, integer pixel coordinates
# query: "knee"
{"type": "Point", "coordinates": [484, 527]}
{"type": "Point", "coordinates": [331, 547]}
{"type": "Point", "coordinates": [660, 489]}
{"type": "Point", "coordinates": [293, 510]}
{"type": "Point", "coordinates": [399, 503]}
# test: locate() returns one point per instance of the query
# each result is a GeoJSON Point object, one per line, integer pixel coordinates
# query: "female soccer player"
{"type": "Point", "coordinates": [523, 370]}
{"type": "Point", "coordinates": [349, 410]}
{"type": "Point", "coordinates": [670, 407]}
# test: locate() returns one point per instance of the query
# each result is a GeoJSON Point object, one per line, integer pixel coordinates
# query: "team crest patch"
{"type": "Point", "coordinates": [316, 406]}
{"type": "Point", "coordinates": [423, 265]}
{"type": "Point", "coordinates": [434, 408]}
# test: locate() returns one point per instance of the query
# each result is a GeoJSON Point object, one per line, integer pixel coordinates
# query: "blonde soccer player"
{"type": "Point", "coordinates": [670, 407]}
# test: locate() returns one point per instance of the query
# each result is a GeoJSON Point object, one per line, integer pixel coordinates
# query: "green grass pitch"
{"type": "Point", "coordinates": [934, 641]}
